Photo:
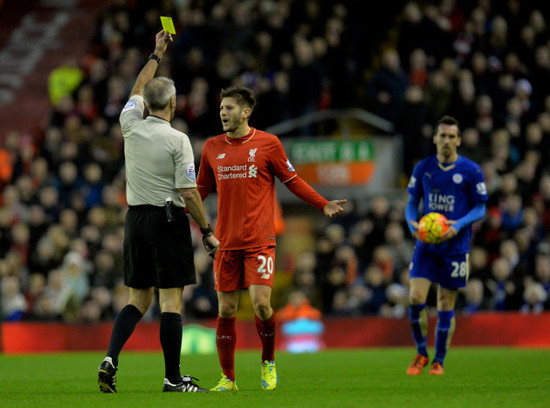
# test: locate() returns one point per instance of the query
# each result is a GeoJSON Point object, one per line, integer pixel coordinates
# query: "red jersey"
{"type": "Point", "coordinates": [244, 171]}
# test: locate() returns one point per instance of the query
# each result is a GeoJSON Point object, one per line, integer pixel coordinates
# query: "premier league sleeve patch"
{"type": "Point", "coordinates": [129, 106]}
{"type": "Point", "coordinates": [481, 188]}
{"type": "Point", "coordinates": [289, 166]}
{"type": "Point", "coordinates": [190, 171]}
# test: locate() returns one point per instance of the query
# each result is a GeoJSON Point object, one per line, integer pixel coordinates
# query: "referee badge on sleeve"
{"type": "Point", "coordinates": [129, 106]}
{"type": "Point", "coordinates": [190, 170]}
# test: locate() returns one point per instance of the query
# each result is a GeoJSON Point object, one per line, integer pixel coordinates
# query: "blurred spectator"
{"type": "Point", "coordinates": [305, 82]}
{"type": "Point", "coordinates": [400, 249]}
{"type": "Point", "coordinates": [304, 277]}
{"type": "Point", "coordinates": [59, 299]}
{"type": "Point", "coordinates": [501, 287]}
{"type": "Point", "coordinates": [20, 242]}
{"type": "Point", "coordinates": [397, 304]}
{"type": "Point", "coordinates": [45, 309]}
{"type": "Point", "coordinates": [480, 262]}
{"type": "Point", "coordinates": [90, 311]}
{"type": "Point", "coordinates": [387, 88]}
{"type": "Point", "coordinates": [332, 289]}
{"type": "Point", "coordinates": [474, 297]}
{"type": "Point", "coordinates": [512, 213]}
{"type": "Point", "coordinates": [37, 283]}
{"type": "Point", "coordinates": [93, 185]}
{"type": "Point", "coordinates": [412, 124]}
{"type": "Point", "coordinates": [14, 305]}
{"type": "Point", "coordinates": [439, 93]}
{"type": "Point", "coordinates": [43, 259]}
{"type": "Point", "coordinates": [75, 275]}
{"type": "Point", "coordinates": [471, 146]}
{"type": "Point", "coordinates": [49, 201]}
{"type": "Point", "coordinates": [542, 269]}
{"type": "Point", "coordinates": [534, 297]}
{"type": "Point", "coordinates": [463, 103]}
{"type": "Point", "coordinates": [375, 296]}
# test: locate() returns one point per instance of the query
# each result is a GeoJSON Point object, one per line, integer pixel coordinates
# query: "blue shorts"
{"type": "Point", "coordinates": [449, 271]}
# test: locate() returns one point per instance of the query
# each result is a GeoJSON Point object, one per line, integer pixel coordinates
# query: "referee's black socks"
{"type": "Point", "coordinates": [170, 340]}
{"type": "Point", "coordinates": [124, 326]}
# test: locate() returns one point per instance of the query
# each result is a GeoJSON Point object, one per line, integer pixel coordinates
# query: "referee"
{"type": "Point", "coordinates": [158, 251]}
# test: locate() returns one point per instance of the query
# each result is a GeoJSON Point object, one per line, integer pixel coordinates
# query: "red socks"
{"type": "Point", "coordinates": [266, 330]}
{"type": "Point", "coordinates": [226, 340]}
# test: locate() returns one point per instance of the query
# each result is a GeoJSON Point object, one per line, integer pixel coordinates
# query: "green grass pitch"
{"type": "Point", "coordinates": [474, 377]}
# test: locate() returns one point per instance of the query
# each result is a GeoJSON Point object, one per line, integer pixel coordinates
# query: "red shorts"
{"type": "Point", "coordinates": [238, 269]}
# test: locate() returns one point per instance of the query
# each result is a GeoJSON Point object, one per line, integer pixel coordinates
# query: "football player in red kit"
{"type": "Point", "coordinates": [242, 164]}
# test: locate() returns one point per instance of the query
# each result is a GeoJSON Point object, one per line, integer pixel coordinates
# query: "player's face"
{"type": "Point", "coordinates": [447, 141]}
{"type": "Point", "coordinates": [232, 114]}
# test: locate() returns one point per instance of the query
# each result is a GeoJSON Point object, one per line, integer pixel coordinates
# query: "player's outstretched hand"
{"type": "Point", "coordinates": [211, 244]}
{"type": "Point", "coordinates": [334, 207]}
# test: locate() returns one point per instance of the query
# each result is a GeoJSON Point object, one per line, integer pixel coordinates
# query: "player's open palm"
{"type": "Point", "coordinates": [334, 207]}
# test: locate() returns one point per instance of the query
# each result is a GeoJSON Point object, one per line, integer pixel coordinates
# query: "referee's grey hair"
{"type": "Point", "coordinates": [157, 93]}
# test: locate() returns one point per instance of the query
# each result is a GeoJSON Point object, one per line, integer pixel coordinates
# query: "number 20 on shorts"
{"type": "Point", "coordinates": [266, 266]}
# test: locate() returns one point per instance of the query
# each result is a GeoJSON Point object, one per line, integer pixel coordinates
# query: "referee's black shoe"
{"type": "Point", "coordinates": [187, 384]}
{"type": "Point", "coordinates": [106, 377]}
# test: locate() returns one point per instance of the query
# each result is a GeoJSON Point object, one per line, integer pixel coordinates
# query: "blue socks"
{"type": "Point", "coordinates": [419, 325]}
{"type": "Point", "coordinates": [443, 334]}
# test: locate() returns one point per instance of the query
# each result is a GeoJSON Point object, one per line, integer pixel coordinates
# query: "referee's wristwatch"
{"type": "Point", "coordinates": [207, 231]}
{"type": "Point", "coordinates": [155, 57]}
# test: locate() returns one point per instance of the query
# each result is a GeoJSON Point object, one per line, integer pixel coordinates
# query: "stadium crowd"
{"type": "Point", "coordinates": [485, 62]}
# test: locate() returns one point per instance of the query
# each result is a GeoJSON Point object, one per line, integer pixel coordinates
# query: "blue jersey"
{"type": "Point", "coordinates": [452, 190]}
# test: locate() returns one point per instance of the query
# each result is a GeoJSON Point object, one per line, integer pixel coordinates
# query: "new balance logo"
{"type": "Point", "coordinates": [220, 156]}
{"type": "Point", "coordinates": [253, 171]}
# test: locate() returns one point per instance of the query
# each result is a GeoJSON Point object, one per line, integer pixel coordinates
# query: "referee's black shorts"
{"type": "Point", "coordinates": [156, 252]}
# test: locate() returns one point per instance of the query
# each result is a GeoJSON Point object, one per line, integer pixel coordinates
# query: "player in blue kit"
{"type": "Point", "coordinates": [453, 186]}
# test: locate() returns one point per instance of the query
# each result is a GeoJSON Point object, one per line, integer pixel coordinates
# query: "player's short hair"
{"type": "Point", "coordinates": [244, 96]}
{"type": "Point", "coordinates": [448, 120]}
{"type": "Point", "coordinates": [158, 92]}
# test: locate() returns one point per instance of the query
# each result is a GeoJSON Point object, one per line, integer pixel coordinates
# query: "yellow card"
{"type": "Point", "coordinates": [168, 24]}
